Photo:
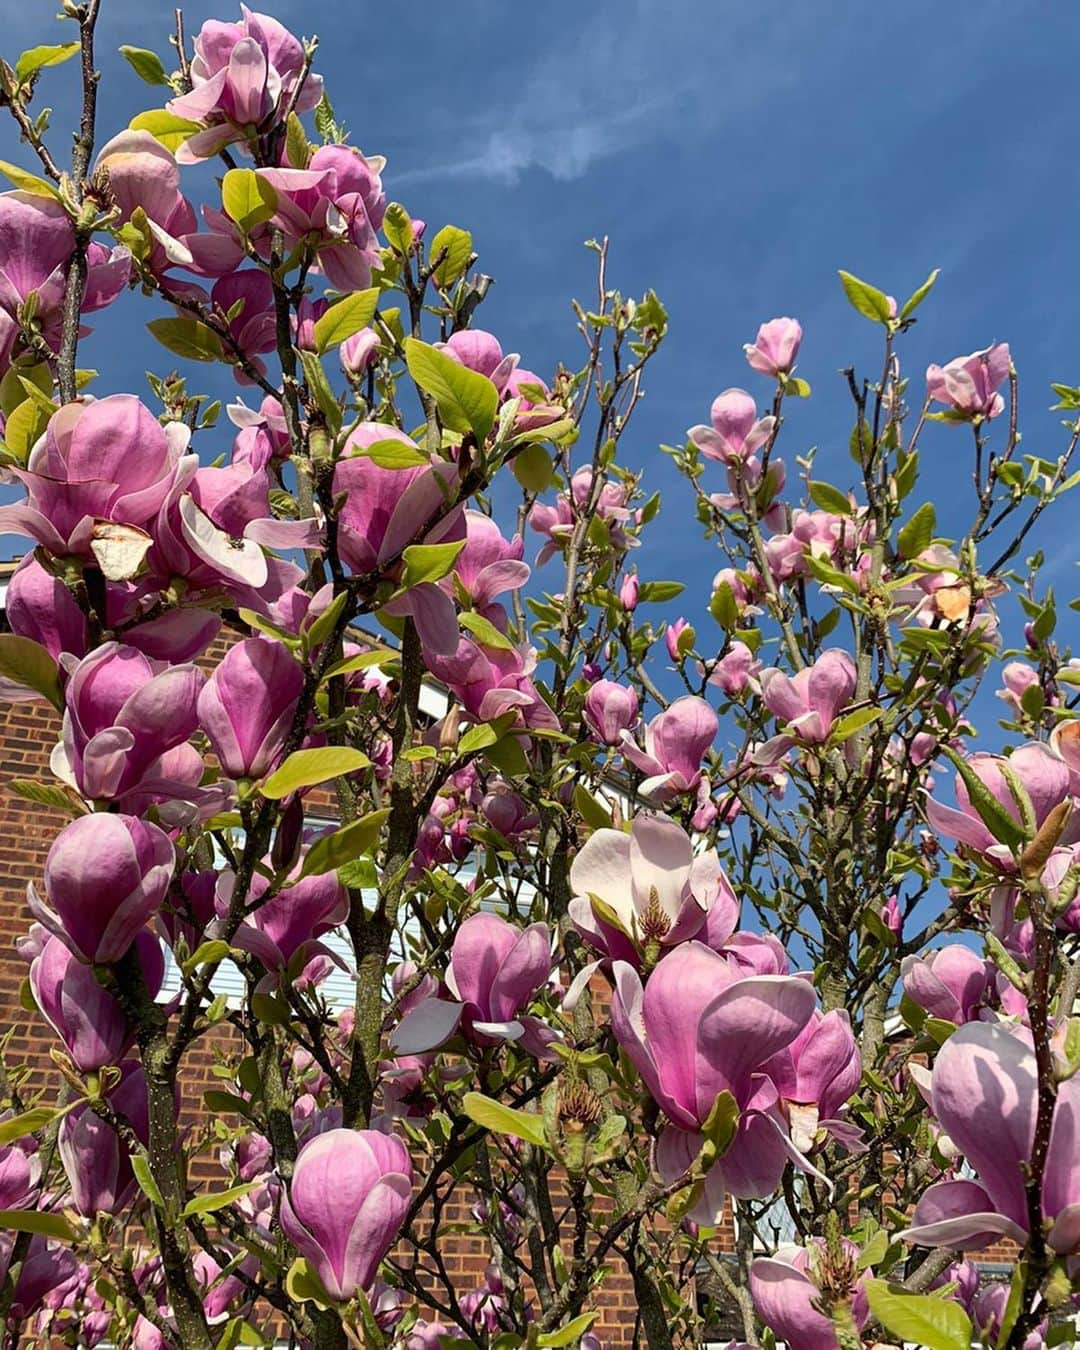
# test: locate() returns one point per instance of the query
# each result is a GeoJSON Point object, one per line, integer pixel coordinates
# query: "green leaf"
{"type": "Point", "coordinates": [912, 303]}
{"type": "Point", "coordinates": [297, 145]}
{"type": "Point", "coordinates": [467, 401]}
{"type": "Point", "coordinates": [305, 768]}
{"type": "Point", "coordinates": [657, 592]}
{"type": "Point", "coordinates": [37, 58]}
{"type": "Point", "coordinates": [485, 632]}
{"type": "Point", "coordinates": [477, 738]}
{"type": "Point", "coordinates": [303, 1285]}
{"type": "Point", "coordinates": [238, 1332]}
{"type": "Point", "coordinates": [28, 182]}
{"type": "Point", "coordinates": [351, 841]}
{"type": "Point", "coordinates": [720, 1126]}
{"type": "Point", "coordinates": [390, 454]}
{"type": "Point", "coordinates": [169, 131]}
{"type": "Point", "coordinates": [458, 246]}
{"type": "Point", "coordinates": [993, 815]}
{"type": "Point", "coordinates": [247, 198]}
{"type": "Point", "coordinates": [209, 1204]}
{"type": "Point", "coordinates": [500, 1119]}
{"type": "Point", "coordinates": [344, 318]}
{"type": "Point", "coordinates": [146, 64]}
{"type": "Point", "coordinates": [362, 661]}
{"type": "Point", "coordinates": [28, 1123]}
{"type": "Point", "coordinates": [207, 952]}
{"type": "Point", "coordinates": [28, 663]}
{"type": "Point", "coordinates": [149, 1187]}
{"type": "Point", "coordinates": [830, 498]}
{"type": "Point", "coordinates": [226, 1103]}
{"type": "Point", "coordinates": [315, 375]}
{"type": "Point", "coordinates": [532, 468]}
{"type": "Point", "coordinates": [187, 337]}
{"type": "Point", "coordinates": [846, 727]}
{"type": "Point", "coordinates": [397, 226]}
{"type": "Point", "coordinates": [324, 625]}
{"type": "Point", "coordinates": [933, 1323]}
{"type": "Point", "coordinates": [868, 300]}
{"type": "Point", "coordinates": [796, 387]}
{"type": "Point", "coordinates": [568, 1334]}
{"type": "Point", "coordinates": [46, 794]}
{"type": "Point", "coordinates": [429, 562]}
{"type": "Point", "coordinates": [30, 1221]}
{"type": "Point", "coordinates": [914, 537]}
{"type": "Point", "coordinates": [590, 809]}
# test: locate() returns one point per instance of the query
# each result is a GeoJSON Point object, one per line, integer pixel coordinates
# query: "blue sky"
{"type": "Point", "coordinates": [737, 156]}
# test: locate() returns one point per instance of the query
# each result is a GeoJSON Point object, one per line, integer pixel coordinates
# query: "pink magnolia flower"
{"type": "Point", "coordinates": [1043, 777]}
{"type": "Point", "coordinates": [126, 722]}
{"type": "Point", "coordinates": [786, 1294]}
{"type": "Point", "coordinates": [263, 434]}
{"type": "Point", "coordinates": [1017, 678]}
{"type": "Point", "coordinates": [247, 705]}
{"type": "Point", "coordinates": [629, 592]}
{"type": "Point", "coordinates": [697, 1029]}
{"type": "Point", "coordinates": [969, 384]}
{"type": "Point", "coordinates": [776, 346]}
{"type": "Point", "coordinates": [644, 888]}
{"type": "Point", "coordinates": [96, 1160]}
{"type": "Point", "coordinates": [86, 1017]}
{"type": "Point", "coordinates": [495, 972]}
{"type": "Point", "coordinates": [610, 709]}
{"type": "Point", "coordinates": [40, 607]}
{"type": "Point", "coordinates": [48, 1270]}
{"type": "Point", "coordinates": [480, 351]}
{"type": "Point", "coordinates": [816, 1075]}
{"type": "Point", "coordinates": [359, 352]}
{"type": "Point", "coordinates": [672, 634]}
{"type": "Point", "coordinates": [488, 565]}
{"type": "Point", "coordinates": [335, 206]}
{"type": "Point", "coordinates": [105, 876]}
{"type": "Point", "coordinates": [736, 430]}
{"type": "Point", "coordinates": [491, 681]}
{"type": "Point", "coordinates": [984, 1093]}
{"type": "Point", "coordinates": [809, 701]}
{"type": "Point", "coordinates": [952, 983]}
{"type": "Point", "coordinates": [349, 1193]}
{"type": "Point", "coordinates": [283, 931]}
{"type": "Point", "coordinates": [386, 510]}
{"type": "Point", "coordinates": [675, 742]}
{"type": "Point", "coordinates": [143, 175]}
{"type": "Point", "coordinates": [736, 671]}
{"type": "Point", "coordinates": [105, 460]}
{"type": "Point", "coordinates": [254, 326]}
{"type": "Point", "coordinates": [556, 522]}
{"type": "Point", "coordinates": [36, 240]}
{"type": "Point", "coordinates": [244, 77]}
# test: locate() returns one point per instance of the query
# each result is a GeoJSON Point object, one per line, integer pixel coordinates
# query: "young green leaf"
{"type": "Point", "coordinates": [33, 1221]}
{"type": "Point", "coordinates": [146, 64]}
{"type": "Point", "coordinates": [830, 498]}
{"type": "Point", "coordinates": [914, 537]}
{"type": "Point", "coordinates": [999, 821]}
{"type": "Point", "coordinates": [247, 198]}
{"type": "Point", "coordinates": [37, 58]}
{"type": "Point", "coordinates": [305, 768]}
{"type": "Point", "coordinates": [344, 318]}
{"type": "Point", "coordinates": [187, 337]}
{"type": "Point", "coordinates": [912, 303]}
{"type": "Point", "coordinates": [169, 131]}
{"type": "Point", "coordinates": [26, 662]}
{"type": "Point", "coordinates": [933, 1323]}
{"type": "Point", "coordinates": [429, 562]}
{"type": "Point", "coordinates": [145, 1178]}
{"type": "Point", "coordinates": [467, 401]}
{"type": "Point", "coordinates": [457, 246]}
{"type": "Point", "coordinates": [500, 1119]}
{"type": "Point", "coordinates": [210, 1204]}
{"type": "Point", "coordinates": [868, 300]}
{"type": "Point", "coordinates": [351, 841]}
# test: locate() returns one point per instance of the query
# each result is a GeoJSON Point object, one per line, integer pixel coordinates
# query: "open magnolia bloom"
{"type": "Point", "coordinates": [699, 1028]}
{"type": "Point", "coordinates": [984, 1093]}
{"type": "Point", "coordinates": [495, 971]}
{"type": "Point", "coordinates": [643, 892]}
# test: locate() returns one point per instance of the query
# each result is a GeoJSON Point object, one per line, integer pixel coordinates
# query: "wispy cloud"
{"type": "Point", "coordinates": [626, 80]}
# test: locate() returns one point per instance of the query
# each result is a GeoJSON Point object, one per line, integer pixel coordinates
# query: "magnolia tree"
{"type": "Point", "coordinates": [645, 926]}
